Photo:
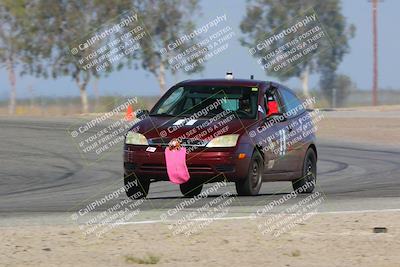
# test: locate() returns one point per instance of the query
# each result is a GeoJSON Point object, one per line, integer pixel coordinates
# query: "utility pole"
{"type": "Point", "coordinates": [375, 51]}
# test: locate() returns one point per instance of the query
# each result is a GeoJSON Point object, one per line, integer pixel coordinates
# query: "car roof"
{"type": "Point", "coordinates": [224, 82]}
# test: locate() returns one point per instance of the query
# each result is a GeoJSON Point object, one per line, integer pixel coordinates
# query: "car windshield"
{"type": "Point", "coordinates": [208, 101]}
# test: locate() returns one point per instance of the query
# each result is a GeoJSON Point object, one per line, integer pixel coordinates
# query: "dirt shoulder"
{"type": "Point", "coordinates": [362, 130]}
{"type": "Point", "coordinates": [322, 240]}
{"type": "Point", "coordinates": [376, 127]}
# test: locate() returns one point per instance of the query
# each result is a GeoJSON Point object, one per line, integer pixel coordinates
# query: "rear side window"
{"type": "Point", "coordinates": [291, 102]}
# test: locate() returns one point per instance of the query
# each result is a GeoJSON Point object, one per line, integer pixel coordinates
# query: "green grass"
{"type": "Point", "coordinates": [149, 259]}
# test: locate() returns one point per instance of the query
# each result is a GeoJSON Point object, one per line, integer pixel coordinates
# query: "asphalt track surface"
{"type": "Point", "coordinates": [42, 172]}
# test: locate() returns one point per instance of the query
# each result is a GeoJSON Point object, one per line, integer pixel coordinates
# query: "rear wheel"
{"type": "Point", "coordinates": [309, 176]}
{"type": "Point", "coordinates": [191, 188]}
{"type": "Point", "coordinates": [136, 188]}
{"type": "Point", "coordinates": [252, 184]}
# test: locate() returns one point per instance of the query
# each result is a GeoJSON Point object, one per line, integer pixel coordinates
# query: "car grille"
{"type": "Point", "coordinates": [186, 142]}
{"type": "Point", "coordinates": [191, 168]}
{"type": "Point", "coordinates": [225, 168]}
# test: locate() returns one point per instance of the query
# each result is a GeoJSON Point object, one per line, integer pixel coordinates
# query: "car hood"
{"type": "Point", "coordinates": [155, 127]}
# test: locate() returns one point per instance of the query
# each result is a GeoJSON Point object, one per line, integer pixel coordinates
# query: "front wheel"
{"type": "Point", "coordinates": [136, 188]}
{"type": "Point", "coordinates": [306, 183]}
{"type": "Point", "coordinates": [252, 184]}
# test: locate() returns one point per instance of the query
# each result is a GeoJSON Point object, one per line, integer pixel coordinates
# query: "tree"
{"type": "Point", "coordinates": [45, 37]}
{"type": "Point", "coordinates": [265, 16]}
{"type": "Point", "coordinates": [166, 21]}
{"type": "Point", "coordinates": [344, 86]}
{"type": "Point", "coordinates": [16, 36]}
{"type": "Point", "coordinates": [336, 87]}
{"type": "Point", "coordinates": [64, 24]}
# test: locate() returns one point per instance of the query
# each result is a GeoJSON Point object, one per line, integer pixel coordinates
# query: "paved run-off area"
{"type": "Point", "coordinates": [43, 182]}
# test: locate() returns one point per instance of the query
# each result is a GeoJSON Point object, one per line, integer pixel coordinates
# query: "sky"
{"type": "Point", "coordinates": [357, 64]}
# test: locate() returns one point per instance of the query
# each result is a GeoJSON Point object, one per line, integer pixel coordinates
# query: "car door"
{"type": "Point", "coordinates": [273, 135]}
{"type": "Point", "coordinates": [293, 130]}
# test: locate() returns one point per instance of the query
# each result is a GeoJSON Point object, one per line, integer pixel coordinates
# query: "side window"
{"type": "Point", "coordinates": [291, 102]}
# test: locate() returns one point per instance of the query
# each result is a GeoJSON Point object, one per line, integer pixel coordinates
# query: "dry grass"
{"type": "Point", "coordinates": [148, 259]}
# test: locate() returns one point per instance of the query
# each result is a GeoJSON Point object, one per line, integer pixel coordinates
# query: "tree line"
{"type": "Point", "coordinates": [35, 36]}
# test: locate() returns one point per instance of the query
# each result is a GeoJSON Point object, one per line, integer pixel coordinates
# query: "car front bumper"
{"type": "Point", "coordinates": [205, 165]}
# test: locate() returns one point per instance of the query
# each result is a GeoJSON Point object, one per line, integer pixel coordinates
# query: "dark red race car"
{"type": "Point", "coordinates": [236, 130]}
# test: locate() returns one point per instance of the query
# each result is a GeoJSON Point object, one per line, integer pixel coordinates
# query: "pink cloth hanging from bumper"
{"type": "Point", "coordinates": [176, 165]}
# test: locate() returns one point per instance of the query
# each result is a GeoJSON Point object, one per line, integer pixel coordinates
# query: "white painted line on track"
{"type": "Point", "coordinates": [252, 217]}
{"type": "Point", "coordinates": [357, 211]}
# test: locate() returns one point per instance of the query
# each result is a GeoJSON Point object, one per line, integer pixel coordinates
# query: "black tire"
{"type": "Point", "coordinates": [252, 184]}
{"type": "Point", "coordinates": [309, 174]}
{"type": "Point", "coordinates": [191, 188]}
{"type": "Point", "coordinates": [134, 191]}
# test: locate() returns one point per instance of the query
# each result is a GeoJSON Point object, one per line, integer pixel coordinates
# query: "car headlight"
{"type": "Point", "coordinates": [229, 140]}
{"type": "Point", "coordinates": [133, 138]}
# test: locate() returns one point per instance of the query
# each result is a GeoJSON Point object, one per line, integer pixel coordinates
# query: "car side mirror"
{"type": "Point", "coordinates": [142, 113]}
